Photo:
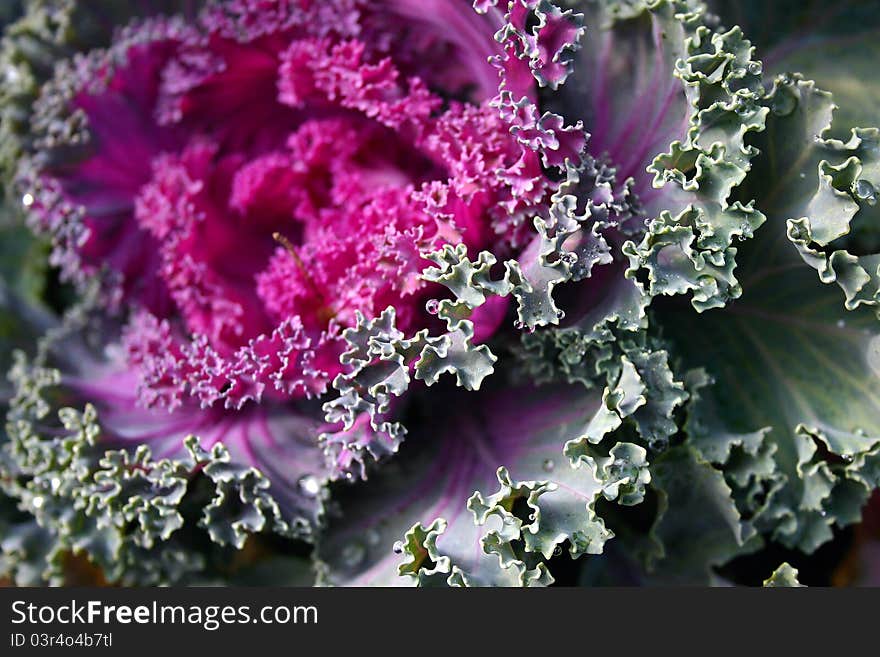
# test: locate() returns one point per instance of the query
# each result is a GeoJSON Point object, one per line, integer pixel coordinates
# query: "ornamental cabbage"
{"type": "Point", "coordinates": [437, 292]}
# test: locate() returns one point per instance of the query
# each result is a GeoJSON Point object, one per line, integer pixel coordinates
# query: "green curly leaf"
{"type": "Point", "coordinates": [785, 576]}
{"type": "Point", "coordinates": [427, 516]}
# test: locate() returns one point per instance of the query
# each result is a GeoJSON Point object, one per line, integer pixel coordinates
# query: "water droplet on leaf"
{"type": "Point", "coordinates": [865, 191]}
{"type": "Point", "coordinates": [12, 75]}
{"type": "Point", "coordinates": [27, 200]}
{"type": "Point", "coordinates": [353, 554]}
{"type": "Point", "coordinates": [783, 103]}
{"type": "Point", "coordinates": [433, 306]}
{"type": "Point", "coordinates": [309, 485]}
{"type": "Point", "coordinates": [397, 548]}
{"type": "Point", "coordinates": [874, 354]}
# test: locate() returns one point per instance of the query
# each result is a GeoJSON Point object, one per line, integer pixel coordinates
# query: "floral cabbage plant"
{"type": "Point", "coordinates": [399, 292]}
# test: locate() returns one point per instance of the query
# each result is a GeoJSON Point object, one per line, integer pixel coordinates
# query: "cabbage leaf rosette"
{"type": "Point", "coordinates": [436, 292]}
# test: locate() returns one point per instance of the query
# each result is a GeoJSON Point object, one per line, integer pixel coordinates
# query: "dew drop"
{"type": "Point", "coordinates": [783, 103]}
{"type": "Point", "coordinates": [37, 501]}
{"type": "Point", "coordinates": [519, 325]}
{"type": "Point", "coordinates": [309, 485]}
{"type": "Point", "coordinates": [397, 548]}
{"type": "Point", "coordinates": [755, 68]}
{"type": "Point", "coordinates": [27, 200]}
{"type": "Point", "coordinates": [865, 191]}
{"type": "Point", "coordinates": [557, 550]}
{"type": "Point", "coordinates": [353, 554]}
{"type": "Point", "coordinates": [548, 465]}
{"type": "Point", "coordinates": [874, 354]}
{"type": "Point", "coordinates": [12, 75]}
{"type": "Point", "coordinates": [560, 315]}
{"type": "Point", "coordinates": [433, 306]}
